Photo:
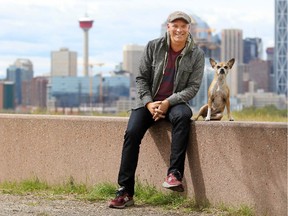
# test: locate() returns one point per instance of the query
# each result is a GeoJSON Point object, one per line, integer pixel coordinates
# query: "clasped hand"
{"type": "Point", "coordinates": [158, 109]}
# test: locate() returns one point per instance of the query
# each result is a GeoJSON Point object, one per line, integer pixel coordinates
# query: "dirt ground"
{"type": "Point", "coordinates": [69, 206]}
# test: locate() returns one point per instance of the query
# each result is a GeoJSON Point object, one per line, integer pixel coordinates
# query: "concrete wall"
{"type": "Point", "coordinates": [230, 162]}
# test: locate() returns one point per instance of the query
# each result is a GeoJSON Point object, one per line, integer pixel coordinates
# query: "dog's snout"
{"type": "Point", "coordinates": [222, 71]}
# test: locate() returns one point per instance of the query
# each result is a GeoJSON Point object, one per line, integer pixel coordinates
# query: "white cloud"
{"type": "Point", "coordinates": [34, 28]}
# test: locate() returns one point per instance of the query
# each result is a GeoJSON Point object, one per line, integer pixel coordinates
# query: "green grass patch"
{"type": "Point", "coordinates": [35, 186]}
{"type": "Point", "coordinates": [24, 187]}
{"type": "Point", "coordinates": [70, 187]}
{"type": "Point", "coordinates": [150, 195]}
{"type": "Point", "coordinates": [103, 191]}
{"type": "Point", "coordinates": [145, 194]}
{"type": "Point", "coordinates": [243, 210]}
{"type": "Point", "coordinates": [265, 114]}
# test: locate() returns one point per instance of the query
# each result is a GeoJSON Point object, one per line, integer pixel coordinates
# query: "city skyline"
{"type": "Point", "coordinates": [33, 29]}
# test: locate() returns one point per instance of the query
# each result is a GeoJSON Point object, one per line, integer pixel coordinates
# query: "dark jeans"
{"type": "Point", "coordinates": [139, 122]}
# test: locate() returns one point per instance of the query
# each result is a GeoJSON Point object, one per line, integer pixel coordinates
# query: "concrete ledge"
{"type": "Point", "coordinates": [231, 162]}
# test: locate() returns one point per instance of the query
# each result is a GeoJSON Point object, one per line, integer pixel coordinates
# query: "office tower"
{"type": "Point", "coordinates": [281, 46]}
{"type": "Point", "coordinates": [63, 63]}
{"type": "Point", "coordinates": [85, 24]}
{"type": "Point", "coordinates": [20, 71]}
{"type": "Point", "coordinates": [253, 49]}
{"type": "Point", "coordinates": [131, 60]}
{"type": "Point", "coordinates": [270, 53]}
{"type": "Point", "coordinates": [39, 92]}
{"type": "Point", "coordinates": [24, 64]}
{"type": "Point", "coordinates": [26, 93]}
{"type": "Point", "coordinates": [202, 35]}
{"type": "Point", "coordinates": [259, 74]}
{"type": "Point", "coordinates": [270, 60]}
{"type": "Point", "coordinates": [232, 47]}
{"type": "Point", "coordinates": [7, 95]}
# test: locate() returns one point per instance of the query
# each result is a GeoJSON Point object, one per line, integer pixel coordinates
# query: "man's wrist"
{"type": "Point", "coordinates": [166, 102]}
{"type": "Point", "coordinates": [146, 105]}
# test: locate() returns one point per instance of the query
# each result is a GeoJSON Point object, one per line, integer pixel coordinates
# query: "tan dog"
{"type": "Point", "coordinates": [218, 93]}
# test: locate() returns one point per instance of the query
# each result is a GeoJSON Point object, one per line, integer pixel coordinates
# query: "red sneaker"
{"type": "Point", "coordinates": [173, 183]}
{"type": "Point", "coordinates": [121, 200]}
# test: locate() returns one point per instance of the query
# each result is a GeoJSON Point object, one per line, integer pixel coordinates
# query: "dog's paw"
{"type": "Point", "coordinates": [231, 119]}
{"type": "Point", "coordinates": [207, 119]}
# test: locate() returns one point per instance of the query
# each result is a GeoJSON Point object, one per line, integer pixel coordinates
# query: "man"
{"type": "Point", "coordinates": [170, 75]}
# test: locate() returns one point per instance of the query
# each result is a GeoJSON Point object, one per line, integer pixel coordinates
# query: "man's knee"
{"type": "Point", "coordinates": [181, 113]}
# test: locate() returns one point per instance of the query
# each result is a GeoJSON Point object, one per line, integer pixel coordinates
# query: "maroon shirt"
{"type": "Point", "coordinates": [166, 86]}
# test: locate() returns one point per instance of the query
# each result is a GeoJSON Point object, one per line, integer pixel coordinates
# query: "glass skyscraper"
{"type": "Point", "coordinates": [281, 46]}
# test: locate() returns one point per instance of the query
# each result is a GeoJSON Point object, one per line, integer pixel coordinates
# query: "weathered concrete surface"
{"type": "Point", "coordinates": [230, 162]}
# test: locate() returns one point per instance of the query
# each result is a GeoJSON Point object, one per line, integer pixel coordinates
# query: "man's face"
{"type": "Point", "coordinates": [178, 30]}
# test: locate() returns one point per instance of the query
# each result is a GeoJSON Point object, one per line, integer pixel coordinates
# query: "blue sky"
{"type": "Point", "coordinates": [33, 28]}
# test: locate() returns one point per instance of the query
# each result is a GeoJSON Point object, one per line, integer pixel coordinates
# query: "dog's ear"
{"type": "Point", "coordinates": [212, 62]}
{"type": "Point", "coordinates": [230, 63]}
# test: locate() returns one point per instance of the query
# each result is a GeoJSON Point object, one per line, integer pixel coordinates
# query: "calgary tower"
{"type": "Point", "coordinates": [86, 23]}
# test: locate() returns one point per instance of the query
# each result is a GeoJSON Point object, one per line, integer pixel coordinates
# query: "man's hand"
{"type": "Point", "coordinates": [158, 114]}
{"type": "Point", "coordinates": [152, 106]}
{"type": "Point", "coordinates": [161, 110]}
{"type": "Point", "coordinates": [164, 106]}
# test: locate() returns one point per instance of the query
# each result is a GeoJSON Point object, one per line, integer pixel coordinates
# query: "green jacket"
{"type": "Point", "coordinates": [189, 72]}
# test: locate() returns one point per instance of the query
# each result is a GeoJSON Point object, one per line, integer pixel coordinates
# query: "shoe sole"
{"type": "Point", "coordinates": [127, 204]}
{"type": "Point", "coordinates": [177, 188]}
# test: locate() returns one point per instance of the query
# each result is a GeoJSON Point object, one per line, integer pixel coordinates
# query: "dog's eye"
{"type": "Point", "coordinates": [218, 67]}
{"type": "Point", "coordinates": [225, 67]}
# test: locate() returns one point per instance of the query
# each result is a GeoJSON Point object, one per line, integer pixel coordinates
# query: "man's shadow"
{"type": "Point", "coordinates": [195, 169]}
{"type": "Point", "coordinates": [161, 134]}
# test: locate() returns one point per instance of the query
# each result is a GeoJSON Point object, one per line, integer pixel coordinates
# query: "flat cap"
{"type": "Point", "coordinates": [179, 15]}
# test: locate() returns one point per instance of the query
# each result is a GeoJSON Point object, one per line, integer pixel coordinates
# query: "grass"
{"type": "Point", "coordinates": [268, 113]}
{"type": "Point", "coordinates": [265, 114]}
{"type": "Point", "coordinates": [24, 187]}
{"type": "Point", "coordinates": [144, 195]}
{"type": "Point", "coordinates": [35, 186]}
